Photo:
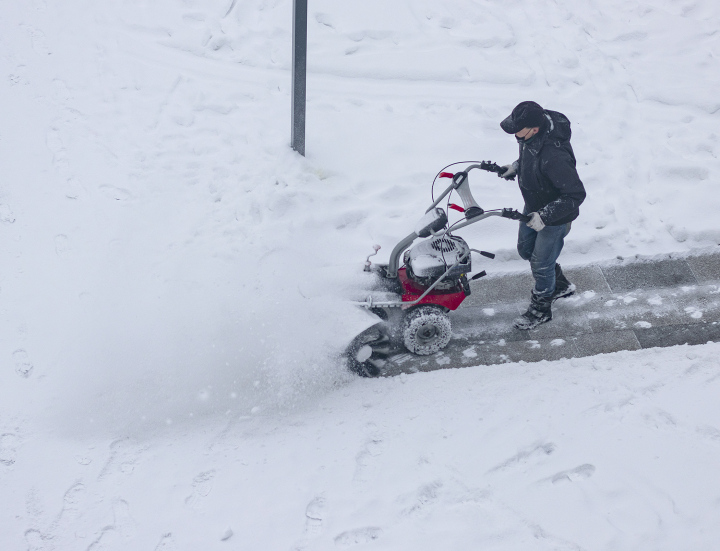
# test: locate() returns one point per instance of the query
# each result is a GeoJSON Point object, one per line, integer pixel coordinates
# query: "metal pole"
{"type": "Point", "coordinates": [299, 67]}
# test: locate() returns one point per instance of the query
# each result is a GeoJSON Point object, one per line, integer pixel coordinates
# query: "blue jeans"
{"type": "Point", "coordinates": [542, 249]}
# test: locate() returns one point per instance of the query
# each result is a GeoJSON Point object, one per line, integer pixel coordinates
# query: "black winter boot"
{"type": "Point", "coordinates": [563, 288]}
{"type": "Point", "coordinates": [538, 312]}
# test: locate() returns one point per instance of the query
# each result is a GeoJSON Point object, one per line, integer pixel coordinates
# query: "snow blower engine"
{"type": "Point", "coordinates": [412, 300]}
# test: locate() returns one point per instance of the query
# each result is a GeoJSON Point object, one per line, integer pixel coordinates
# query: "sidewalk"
{"type": "Point", "coordinates": [626, 305]}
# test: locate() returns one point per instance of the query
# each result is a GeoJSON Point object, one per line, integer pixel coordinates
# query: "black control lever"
{"type": "Point", "coordinates": [515, 215]}
{"type": "Point", "coordinates": [493, 167]}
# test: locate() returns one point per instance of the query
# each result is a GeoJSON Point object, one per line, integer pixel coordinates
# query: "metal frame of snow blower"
{"type": "Point", "coordinates": [474, 213]}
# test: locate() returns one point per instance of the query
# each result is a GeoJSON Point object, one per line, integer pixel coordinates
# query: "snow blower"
{"type": "Point", "coordinates": [412, 299]}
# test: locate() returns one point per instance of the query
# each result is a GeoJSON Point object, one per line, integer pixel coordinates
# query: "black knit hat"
{"type": "Point", "coordinates": [527, 114]}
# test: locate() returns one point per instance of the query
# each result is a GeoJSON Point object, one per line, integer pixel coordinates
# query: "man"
{"type": "Point", "coordinates": [552, 191]}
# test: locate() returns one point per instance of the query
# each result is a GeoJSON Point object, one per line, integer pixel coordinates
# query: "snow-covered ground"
{"type": "Point", "coordinates": [613, 452]}
{"type": "Point", "coordinates": [174, 281]}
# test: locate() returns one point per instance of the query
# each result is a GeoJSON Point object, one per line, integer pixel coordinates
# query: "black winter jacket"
{"type": "Point", "coordinates": [548, 180]}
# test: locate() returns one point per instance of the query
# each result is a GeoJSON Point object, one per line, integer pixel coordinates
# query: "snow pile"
{"type": "Point", "coordinates": [169, 264]}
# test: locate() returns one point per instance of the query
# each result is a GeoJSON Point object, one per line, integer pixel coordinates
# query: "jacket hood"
{"type": "Point", "coordinates": [559, 130]}
{"type": "Point", "coordinates": [556, 130]}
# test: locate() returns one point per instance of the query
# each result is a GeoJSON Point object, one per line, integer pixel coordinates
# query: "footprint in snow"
{"type": "Point", "coordinates": [62, 245]}
{"type": "Point", "coordinates": [659, 419]}
{"type": "Point", "coordinates": [55, 144]}
{"type": "Point", "coordinates": [73, 504]}
{"type": "Point", "coordinates": [535, 451]}
{"type": "Point", "coordinates": [358, 536]}
{"type": "Point", "coordinates": [36, 540]}
{"type": "Point", "coordinates": [202, 486]}
{"type": "Point", "coordinates": [573, 475]}
{"type": "Point", "coordinates": [9, 444]}
{"type": "Point", "coordinates": [123, 457]}
{"type": "Point", "coordinates": [73, 496]}
{"type": "Point", "coordinates": [6, 214]}
{"type": "Point", "coordinates": [167, 543]}
{"type": "Point", "coordinates": [314, 515]}
{"type": "Point", "coordinates": [424, 497]}
{"type": "Point", "coordinates": [709, 432]}
{"type": "Point", "coordinates": [23, 365]}
{"type": "Point", "coordinates": [122, 520]}
{"type": "Point", "coordinates": [16, 79]}
{"type": "Point", "coordinates": [38, 40]}
{"type": "Point", "coordinates": [365, 459]}
{"type": "Point", "coordinates": [116, 193]}
{"type": "Point", "coordinates": [108, 539]}
{"type": "Point", "coordinates": [83, 459]}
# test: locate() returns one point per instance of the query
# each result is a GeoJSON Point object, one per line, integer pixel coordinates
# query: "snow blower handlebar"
{"type": "Point", "coordinates": [493, 167]}
{"type": "Point", "coordinates": [505, 213]}
{"type": "Point", "coordinates": [515, 215]}
{"type": "Point", "coordinates": [473, 211]}
{"type": "Point", "coordinates": [460, 182]}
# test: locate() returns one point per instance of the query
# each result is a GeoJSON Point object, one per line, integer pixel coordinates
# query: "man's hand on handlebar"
{"type": "Point", "coordinates": [510, 171]}
{"type": "Point", "coordinates": [536, 223]}
{"type": "Point", "coordinates": [515, 215]}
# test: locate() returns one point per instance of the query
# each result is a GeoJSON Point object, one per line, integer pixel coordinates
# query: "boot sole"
{"type": "Point", "coordinates": [567, 293]}
{"type": "Point", "coordinates": [521, 327]}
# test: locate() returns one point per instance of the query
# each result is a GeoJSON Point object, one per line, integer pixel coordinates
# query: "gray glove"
{"type": "Point", "coordinates": [535, 222]}
{"type": "Point", "coordinates": [510, 171]}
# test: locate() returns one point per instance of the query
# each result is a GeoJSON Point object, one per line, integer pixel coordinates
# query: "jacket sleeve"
{"type": "Point", "coordinates": [559, 168]}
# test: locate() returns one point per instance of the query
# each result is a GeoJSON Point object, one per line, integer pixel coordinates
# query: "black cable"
{"type": "Point", "coordinates": [447, 208]}
{"type": "Point", "coordinates": [448, 232]}
{"type": "Point", "coordinates": [464, 219]}
{"type": "Point", "coordinates": [432, 188]}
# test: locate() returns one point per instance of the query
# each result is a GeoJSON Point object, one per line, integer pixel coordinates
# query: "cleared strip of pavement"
{"type": "Point", "coordinates": [624, 305]}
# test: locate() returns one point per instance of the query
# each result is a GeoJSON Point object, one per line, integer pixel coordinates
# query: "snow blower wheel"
{"type": "Point", "coordinates": [368, 353]}
{"type": "Point", "coordinates": [426, 330]}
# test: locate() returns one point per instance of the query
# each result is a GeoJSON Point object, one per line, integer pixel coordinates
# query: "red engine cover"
{"type": "Point", "coordinates": [412, 291]}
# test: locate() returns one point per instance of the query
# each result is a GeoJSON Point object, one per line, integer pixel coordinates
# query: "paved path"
{"type": "Point", "coordinates": [618, 306]}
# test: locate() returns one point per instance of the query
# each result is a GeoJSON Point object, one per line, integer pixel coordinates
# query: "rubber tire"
{"type": "Point", "coordinates": [374, 359]}
{"type": "Point", "coordinates": [426, 330]}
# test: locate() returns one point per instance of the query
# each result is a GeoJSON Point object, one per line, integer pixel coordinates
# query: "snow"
{"type": "Point", "coordinates": [176, 283]}
{"type": "Point", "coordinates": [609, 452]}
